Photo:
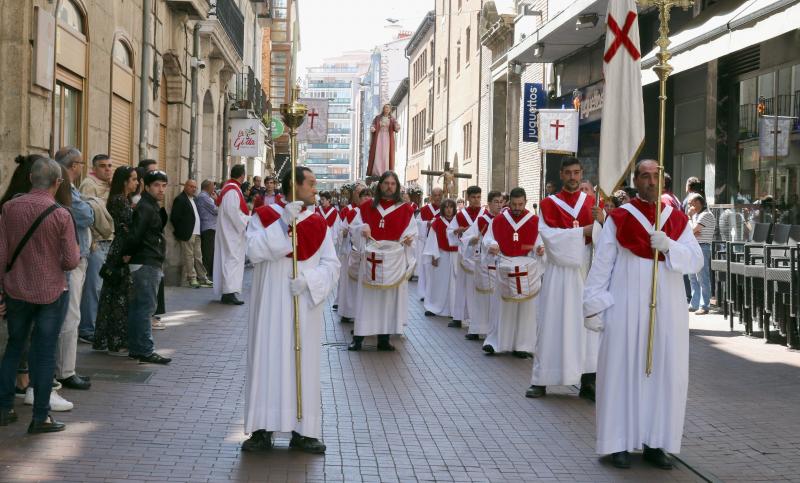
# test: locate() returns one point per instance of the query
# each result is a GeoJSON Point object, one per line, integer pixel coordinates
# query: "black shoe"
{"type": "Point", "coordinates": [230, 299]}
{"type": "Point", "coordinates": [621, 459]}
{"type": "Point", "coordinates": [385, 346]}
{"type": "Point", "coordinates": [308, 445]}
{"type": "Point", "coordinates": [7, 416]}
{"type": "Point", "coordinates": [75, 382]}
{"type": "Point", "coordinates": [86, 339]}
{"type": "Point", "coordinates": [260, 440]}
{"type": "Point", "coordinates": [152, 359]}
{"type": "Point", "coordinates": [422, 299]}
{"type": "Point", "coordinates": [489, 350]}
{"type": "Point", "coordinates": [472, 337]}
{"type": "Point", "coordinates": [335, 306]}
{"type": "Point", "coordinates": [355, 345]}
{"type": "Point", "coordinates": [49, 425]}
{"type": "Point", "coordinates": [587, 392]}
{"type": "Point", "coordinates": [536, 391]}
{"type": "Point", "coordinates": [428, 313]}
{"type": "Point", "coordinates": [346, 320]}
{"type": "Point", "coordinates": [521, 354]}
{"type": "Point", "coordinates": [657, 458]}
{"type": "Point", "coordinates": [455, 324]}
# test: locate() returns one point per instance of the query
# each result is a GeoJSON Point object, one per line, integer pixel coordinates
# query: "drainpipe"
{"type": "Point", "coordinates": [144, 83]}
{"type": "Point", "coordinates": [225, 142]}
{"type": "Point", "coordinates": [193, 125]}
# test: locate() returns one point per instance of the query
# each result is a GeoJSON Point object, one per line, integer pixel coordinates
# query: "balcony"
{"type": "Point", "coordinates": [249, 94]}
{"type": "Point", "coordinates": [232, 22]}
{"type": "Point", "coordinates": [785, 105]}
{"type": "Point", "coordinates": [195, 9]}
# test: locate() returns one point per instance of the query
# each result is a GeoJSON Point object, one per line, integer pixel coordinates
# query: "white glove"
{"type": "Point", "coordinates": [594, 323]}
{"type": "Point", "coordinates": [298, 285]}
{"type": "Point", "coordinates": [660, 241]}
{"type": "Point", "coordinates": [291, 211]}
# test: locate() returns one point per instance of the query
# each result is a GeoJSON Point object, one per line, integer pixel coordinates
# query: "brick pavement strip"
{"type": "Point", "coordinates": [435, 410]}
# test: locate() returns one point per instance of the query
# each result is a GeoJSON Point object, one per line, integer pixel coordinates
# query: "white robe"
{"type": "Point", "coordinates": [440, 292]}
{"type": "Point", "coordinates": [464, 281]}
{"type": "Point", "coordinates": [270, 385]}
{"type": "Point", "coordinates": [381, 311]}
{"type": "Point", "coordinates": [483, 307]}
{"type": "Point", "coordinates": [633, 409]}
{"type": "Point", "coordinates": [229, 245]}
{"type": "Point", "coordinates": [423, 265]}
{"type": "Point", "coordinates": [348, 288]}
{"type": "Point", "coordinates": [565, 349]}
{"type": "Point", "coordinates": [514, 324]}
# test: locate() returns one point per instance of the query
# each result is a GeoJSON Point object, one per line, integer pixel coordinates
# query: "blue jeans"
{"type": "Point", "coordinates": [142, 307]}
{"type": "Point", "coordinates": [46, 321]}
{"type": "Point", "coordinates": [701, 281]}
{"type": "Point", "coordinates": [91, 288]}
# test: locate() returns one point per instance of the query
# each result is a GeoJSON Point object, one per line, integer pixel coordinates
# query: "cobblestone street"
{"type": "Point", "coordinates": [437, 409]}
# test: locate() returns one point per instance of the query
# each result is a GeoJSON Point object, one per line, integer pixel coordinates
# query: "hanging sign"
{"type": "Point", "coordinates": [558, 130]}
{"type": "Point", "coordinates": [278, 127]}
{"type": "Point", "coordinates": [767, 136]}
{"type": "Point", "coordinates": [534, 100]}
{"type": "Point", "coordinates": [246, 138]}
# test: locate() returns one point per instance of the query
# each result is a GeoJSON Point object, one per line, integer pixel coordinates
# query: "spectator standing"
{"type": "Point", "coordinates": [703, 224]}
{"type": "Point", "coordinates": [72, 159]}
{"type": "Point", "coordinates": [95, 185]}
{"type": "Point", "coordinates": [145, 250]}
{"type": "Point", "coordinates": [186, 221]}
{"type": "Point", "coordinates": [148, 166]}
{"type": "Point", "coordinates": [256, 190]}
{"type": "Point", "coordinates": [111, 328]}
{"type": "Point", "coordinates": [668, 197]}
{"type": "Point", "coordinates": [693, 185]}
{"type": "Point", "coordinates": [207, 208]}
{"type": "Point", "coordinates": [34, 285]}
{"type": "Point", "coordinates": [267, 197]}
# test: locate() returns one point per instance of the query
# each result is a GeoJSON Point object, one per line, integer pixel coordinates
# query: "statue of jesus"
{"type": "Point", "coordinates": [381, 148]}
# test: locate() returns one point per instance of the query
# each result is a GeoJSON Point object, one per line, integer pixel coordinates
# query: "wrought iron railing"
{"type": "Point", "coordinates": [232, 22]}
{"type": "Point", "coordinates": [250, 95]}
{"type": "Point", "coordinates": [784, 105]}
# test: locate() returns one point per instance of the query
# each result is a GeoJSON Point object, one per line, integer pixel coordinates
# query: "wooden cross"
{"type": "Point", "coordinates": [449, 184]}
{"type": "Point", "coordinates": [517, 274]}
{"type": "Point", "coordinates": [375, 262]}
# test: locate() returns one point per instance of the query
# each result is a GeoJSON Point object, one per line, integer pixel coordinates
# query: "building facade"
{"type": "Point", "coordinates": [421, 83]}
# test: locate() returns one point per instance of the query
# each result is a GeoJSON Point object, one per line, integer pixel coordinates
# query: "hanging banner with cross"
{"type": "Point", "coordinates": [768, 134]}
{"type": "Point", "coordinates": [315, 128]}
{"type": "Point", "coordinates": [558, 130]}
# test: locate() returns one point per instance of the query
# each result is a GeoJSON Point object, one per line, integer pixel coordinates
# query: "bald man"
{"type": "Point", "coordinates": [186, 221]}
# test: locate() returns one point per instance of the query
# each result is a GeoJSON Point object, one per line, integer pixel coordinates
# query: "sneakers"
{"type": "Point", "coordinates": [86, 339]}
{"type": "Point", "coordinates": [57, 403]}
{"type": "Point", "coordinates": [701, 312]}
{"type": "Point", "coordinates": [193, 284]}
{"type": "Point", "coordinates": [153, 358]}
{"type": "Point", "coordinates": [156, 324]}
{"type": "Point", "coordinates": [207, 284]}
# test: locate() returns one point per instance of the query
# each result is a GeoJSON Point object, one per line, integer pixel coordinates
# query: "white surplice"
{"type": "Point", "coordinates": [464, 280]}
{"type": "Point", "coordinates": [633, 409]}
{"type": "Point", "coordinates": [270, 386]}
{"type": "Point", "coordinates": [483, 307]}
{"type": "Point", "coordinates": [229, 245]}
{"type": "Point", "coordinates": [348, 287]}
{"type": "Point", "coordinates": [381, 310]}
{"type": "Point", "coordinates": [565, 349]}
{"type": "Point", "coordinates": [440, 292]}
{"type": "Point", "coordinates": [423, 266]}
{"type": "Point", "coordinates": [514, 324]}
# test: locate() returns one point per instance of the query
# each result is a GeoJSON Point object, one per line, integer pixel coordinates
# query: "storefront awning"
{"type": "Point", "coordinates": [558, 37]}
{"type": "Point", "coordinates": [720, 31]}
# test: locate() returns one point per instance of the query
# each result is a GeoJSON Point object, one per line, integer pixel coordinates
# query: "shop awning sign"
{"type": "Point", "coordinates": [246, 138]}
{"type": "Point", "coordinates": [558, 130]}
{"type": "Point", "coordinates": [767, 135]}
{"type": "Point", "coordinates": [534, 100]}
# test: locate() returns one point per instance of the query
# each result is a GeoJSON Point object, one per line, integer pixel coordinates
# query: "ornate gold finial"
{"type": "Point", "coordinates": [294, 113]}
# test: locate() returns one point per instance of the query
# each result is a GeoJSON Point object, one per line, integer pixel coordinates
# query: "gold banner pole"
{"type": "Point", "coordinates": [662, 70]}
{"type": "Point", "coordinates": [293, 116]}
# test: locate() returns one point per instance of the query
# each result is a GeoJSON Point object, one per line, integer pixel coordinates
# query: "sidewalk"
{"type": "Point", "coordinates": [436, 409]}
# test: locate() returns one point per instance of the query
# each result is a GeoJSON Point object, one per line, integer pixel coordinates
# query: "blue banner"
{"type": "Point", "coordinates": [533, 101]}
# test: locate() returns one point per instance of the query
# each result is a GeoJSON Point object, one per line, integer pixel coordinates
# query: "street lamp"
{"type": "Point", "coordinates": [662, 70]}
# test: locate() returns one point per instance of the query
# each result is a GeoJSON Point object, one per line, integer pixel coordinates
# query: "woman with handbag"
{"type": "Point", "coordinates": [111, 326]}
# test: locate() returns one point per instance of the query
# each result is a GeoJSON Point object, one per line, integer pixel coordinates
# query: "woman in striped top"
{"type": "Point", "coordinates": [703, 224]}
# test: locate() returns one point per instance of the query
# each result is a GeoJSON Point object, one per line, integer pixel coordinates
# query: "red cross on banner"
{"type": "Point", "coordinates": [621, 37]}
{"type": "Point", "coordinates": [312, 114]}
{"type": "Point", "coordinates": [558, 125]}
{"type": "Point", "coordinates": [517, 275]}
{"type": "Point", "coordinates": [375, 262]}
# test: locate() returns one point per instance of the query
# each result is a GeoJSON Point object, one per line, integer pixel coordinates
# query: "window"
{"type": "Point", "coordinates": [466, 49]}
{"type": "Point", "coordinates": [433, 57]}
{"type": "Point", "coordinates": [70, 15]}
{"type": "Point", "coordinates": [71, 72]}
{"type": "Point", "coordinates": [477, 37]}
{"type": "Point", "coordinates": [458, 56]}
{"type": "Point", "coordinates": [467, 136]}
{"type": "Point", "coordinates": [67, 125]}
{"type": "Point", "coordinates": [446, 72]}
{"type": "Point", "coordinates": [439, 80]}
{"type": "Point", "coordinates": [120, 139]}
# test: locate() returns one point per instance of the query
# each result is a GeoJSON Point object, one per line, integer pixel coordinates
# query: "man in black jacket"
{"type": "Point", "coordinates": [145, 252]}
{"type": "Point", "coordinates": [186, 220]}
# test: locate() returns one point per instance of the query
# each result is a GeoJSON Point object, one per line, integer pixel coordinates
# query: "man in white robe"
{"type": "Point", "coordinates": [513, 233]}
{"type": "Point", "coordinates": [440, 293]}
{"type": "Point", "coordinates": [465, 218]}
{"type": "Point", "coordinates": [383, 311]}
{"type": "Point", "coordinates": [482, 306]}
{"type": "Point", "coordinates": [566, 352]}
{"type": "Point", "coordinates": [331, 216]}
{"type": "Point", "coordinates": [635, 411]}
{"type": "Point", "coordinates": [348, 285]}
{"type": "Point", "coordinates": [426, 215]}
{"type": "Point", "coordinates": [230, 240]}
{"type": "Point", "coordinates": [270, 384]}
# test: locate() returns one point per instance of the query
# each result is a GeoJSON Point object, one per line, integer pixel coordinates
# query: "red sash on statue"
{"type": "Point", "coordinates": [439, 226]}
{"type": "Point", "coordinates": [633, 236]}
{"type": "Point", "coordinates": [515, 235]}
{"type": "Point", "coordinates": [557, 217]}
{"type": "Point", "coordinates": [311, 230]}
{"type": "Point", "coordinates": [233, 185]}
{"type": "Point", "coordinates": [388, 221]}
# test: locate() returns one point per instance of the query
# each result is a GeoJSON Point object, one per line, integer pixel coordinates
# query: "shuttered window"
{"type": "Point", "coordinates": [120, 139]}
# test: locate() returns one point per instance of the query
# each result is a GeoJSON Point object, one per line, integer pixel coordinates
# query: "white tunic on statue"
{"type": "Point", "coordinates": [440, 292]}
{"type": "Point", "coordinates": [633, 409]}
{"type": "Point", "coordinates": [229, 245]}
{"type": "Point", "coordinates": [381, 311]}
{"type": "Point", "coordinates": [270, 387]}
{"type": "Point", "coordinates": [565, 349]}
{"type": "Point", "coordinates": [514, 323]}
{"type": "Point", "coordinates": [483, 307]}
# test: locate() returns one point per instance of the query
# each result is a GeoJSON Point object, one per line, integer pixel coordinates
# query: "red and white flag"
{"type": "Point", "coordinates": [622, 129]}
